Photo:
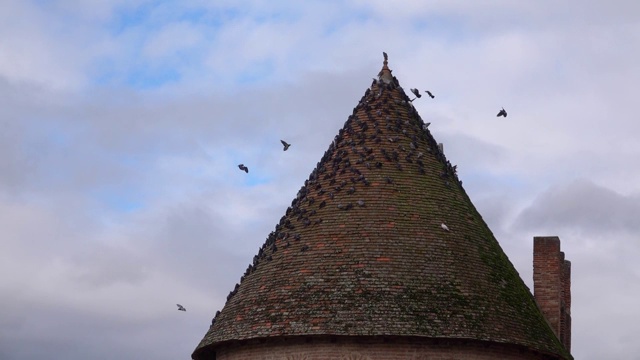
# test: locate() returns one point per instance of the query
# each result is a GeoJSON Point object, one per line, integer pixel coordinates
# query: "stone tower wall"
{"type": "Point", "coordinates": [345, 348]}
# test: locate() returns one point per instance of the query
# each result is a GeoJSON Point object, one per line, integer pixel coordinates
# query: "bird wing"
{"type": "Point", "coordinates": [283, 142]}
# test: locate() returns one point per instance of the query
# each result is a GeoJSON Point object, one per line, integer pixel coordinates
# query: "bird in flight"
{"type": "Point", "coordinates": [243, 168]}
{"type": "Point", "coordinates": [502, 112]}
{"type": "Point", "coordinates": [181, 308]}
{"type": "Point", "coordinates": [416, 92]}
{"type": "Point", "coordinates": [429, 93]}
{"type": "Point", "coordinates": [285, 144]}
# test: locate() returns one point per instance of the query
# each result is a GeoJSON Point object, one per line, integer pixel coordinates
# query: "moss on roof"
{"type": "Point", "coordinates": [362, 251]}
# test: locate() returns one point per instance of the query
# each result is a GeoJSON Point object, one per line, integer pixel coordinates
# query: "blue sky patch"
{"type": "Point", "coordinates": [148, 78]}
{"type": "Point", "coordinates": [120, 199]}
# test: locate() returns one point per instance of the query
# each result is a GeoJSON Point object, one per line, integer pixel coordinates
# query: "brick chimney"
{"type": "Point", "coordinates": [552, 285]}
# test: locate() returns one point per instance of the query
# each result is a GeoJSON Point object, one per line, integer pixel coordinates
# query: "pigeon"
{"type": "Point", "coordinates": [243, 168]}
{"type": "Point", "coordinates": [285, 144]}
{"type": "Point", "coordinates": [502, 112]}
{"type": "Point", "coordinates": [445, 227]}
{"type": "Point", "coordinates": [386, 57]}
{"type": "Point", "coordinates": [416, 92]}
{"type": "Point", "coordinates": [429, 93]}
{"type": "Point", "coordinates": [181, 308]}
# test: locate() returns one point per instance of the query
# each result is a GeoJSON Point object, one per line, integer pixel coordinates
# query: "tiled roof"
{"type": "Point", "coordinates": [362, 249]}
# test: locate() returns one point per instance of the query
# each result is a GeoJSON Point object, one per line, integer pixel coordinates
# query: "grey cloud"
{"type": "Point", "coordinates": [585, 206]}
{"type": "Point", "coordinates": [106, 266]}
{"type": "Point", "coordinates": [103, 146]}
{"type": "Point", "coordinates": [15, 164]}
{"type": "Point", "coordinates": [70, 334]}
{"type": "Point", "coordinates": [474, 152]}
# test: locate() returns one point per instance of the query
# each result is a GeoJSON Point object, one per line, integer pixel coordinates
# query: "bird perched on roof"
{"type": "Point", "coordinates": [243, 168]}
{"type": "Point", "coordinates": [502, 112]}
{"type": "Point", "coordinates": [429, 93]}
{"type": "Point", "coordinates": [181, 308]}
{"type": "Point", "coordinates": [416, 92]}
{"type": "Point", "coordinates": [385, 56]}
{"type": "Point", "coordinates": [444, 227]}
{"type": "Point", "coordinates": [285, 144]}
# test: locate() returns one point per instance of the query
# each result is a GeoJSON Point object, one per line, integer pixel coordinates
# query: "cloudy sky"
{"type": "Point", "coordinates": [122, 123]}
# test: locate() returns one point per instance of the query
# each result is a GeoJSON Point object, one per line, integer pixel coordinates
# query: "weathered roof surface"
{"type": "Point", "coordinates": [363, 251]}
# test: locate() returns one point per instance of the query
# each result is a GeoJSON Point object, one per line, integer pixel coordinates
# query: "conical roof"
{"type": "Point", "coordinates": [364, 249]}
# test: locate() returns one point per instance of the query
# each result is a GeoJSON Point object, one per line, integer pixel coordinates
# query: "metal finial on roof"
{"type": "Point", "coordinates": [385, 73]}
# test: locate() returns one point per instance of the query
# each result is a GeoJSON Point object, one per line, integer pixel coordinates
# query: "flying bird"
{"type": "Point", "coordinates": [416, 92]}
{"type": "Point", "coordinates": [181, 308]}
{"type": "Point", "coordinates": [243, 168]}
{"type": "Point", "coordinates": [285, 144]}
{"type": "Point", "coordinates": [502, 112]}
{"type": "Point", "coordinates": [429, 93]}
{"type": "Point", "coordinates": [444, 227]}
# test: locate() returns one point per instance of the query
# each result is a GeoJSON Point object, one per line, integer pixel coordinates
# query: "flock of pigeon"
{"type": "Point", "coordinates": [416, 92]}
{"type": "Point", "coordinates": [246, 169]}
{"type": "Point", "coordinates": [286, 145]}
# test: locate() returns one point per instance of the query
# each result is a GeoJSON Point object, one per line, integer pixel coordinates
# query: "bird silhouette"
{"type": "Point", "coordinates": [243, 168]}
{"type": "Point", "coordinates": [181, 308]}
{"type": "Point", "coordinates": [416, 92]}
{"type": "Point", "coordinates": [386, 57]}
{"type": "Point", "coordinates": [429, 93]}
{"type": "Point", "coordinates": [502, 112]}
{"type": "Point", "coordinates": [285, 144]}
